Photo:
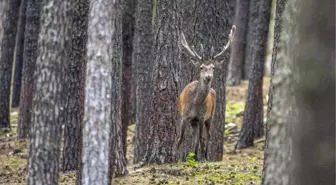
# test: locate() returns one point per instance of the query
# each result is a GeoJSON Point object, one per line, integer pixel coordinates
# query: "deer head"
{"type": "Point", "coordinates": [207, 66]}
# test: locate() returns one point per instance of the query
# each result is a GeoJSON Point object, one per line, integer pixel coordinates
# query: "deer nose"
{"type": "Point", "coordinates": [208, 78]}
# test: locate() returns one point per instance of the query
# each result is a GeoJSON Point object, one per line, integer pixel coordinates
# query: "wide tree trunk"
{"type": "Point", "coordinates": [212, 29]}
{"type": "Point", "coordinates": [8, 27]}
{"type": "Point", "coordinates": [32, 30]}
{"type": "Point", "coordinates": [143, 61]}
{"type": "Point", "coordinates": [278, 147]}
{"type": "Point", "coordinates": [236, 65]}
{"type": "Point", "coordinates": [98, 94]}
{"type": "Point", "coordinates": [117, 155]}
{"type": "Point", "coordinates": [313, 59]}
{"type": "Point", "coordinates": [163, 117]}
{"type": "Point", "coordinates": [71, 155]}
{"type": "Point", "coordinates": [48, 99]}
{"type": "Point", "coordinates": [19, 55]}
{"type": "Point", "coordinates": [127, 105]}
{"type": "Point", "coordinates": [253, 113]}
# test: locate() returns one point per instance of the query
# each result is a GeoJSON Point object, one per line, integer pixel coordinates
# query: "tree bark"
{"type": "Point", "coordinates": [280, 6]}
{"type": "Point", "coordinates": [19, 55]}
{"type": "Point", "coordinates": [75, 86]}
{"type": "Point", "coordinates": [253, 113]}
{"type": "Point", "coordinates": [127, 105]}
{"type": "Point", "coordinates": [278, 145]}
{"type": "Point", "coordinates": [98, 124]}
{"type": "Point", "coordinates": [32, 30]}
{"type": "Point", "coordinates": [143, 59]}
{"type": "Point", "coordinates": [250, 36]}
{"type": "Point", "coordinates": [160, 143]}
{"type": "Point", "coordinates": [48, 101]}
{"type": "Point", "coordinates": [313, 59]}
{"type": "Point", "coordinates": [117, 155]}
{"type": "Point", "coordinates": [212, 29]}
{"type": "Point", "coordinates": [8, 27]}
{"type": "Point", "coordinates": [236, 67]}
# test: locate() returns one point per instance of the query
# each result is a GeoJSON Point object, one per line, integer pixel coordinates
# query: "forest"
{"type": "Point", "coordinates": [179, 92]}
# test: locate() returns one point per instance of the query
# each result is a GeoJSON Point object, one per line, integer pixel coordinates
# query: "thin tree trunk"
{"type": "Point", "coordinates": [19, 55]}
{"type": "Point", "coordinates": [236, 67]}
{"type": "Point", "coordinates": [253, 113]}
{"type": "Point", "coordinates": [29, 59]}
{"type": "Point", "coordinates": [98, 124]}
{"type": "Point", "coordinates": [127, 104]}
{"type": "Point", "coordinates": [142, 57]}
{"type": "Point", "coordinates": [278, 145]}
{"type": "Point", "coordinates": [8, 27]}
{"type": "Point", "coordinates": [117, 155]}
{"type": "Point", "coordinates": [76, 86]}
{"type": "Point", "coordinates": [48, 101]}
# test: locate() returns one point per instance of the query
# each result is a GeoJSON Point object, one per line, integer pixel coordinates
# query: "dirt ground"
{"type": "Point", "coordinates": [241, 168]}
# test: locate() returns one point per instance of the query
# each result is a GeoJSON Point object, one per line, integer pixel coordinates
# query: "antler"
{"type": "Point", "coordinates": [231, 36]}
{"type": "Point", "coordinates": [192, 51]}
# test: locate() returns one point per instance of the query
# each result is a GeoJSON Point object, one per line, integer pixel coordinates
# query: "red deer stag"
{"type": "Point", "coordinates": [197, 101]}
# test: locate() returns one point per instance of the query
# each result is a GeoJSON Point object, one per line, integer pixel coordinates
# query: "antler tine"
{"type": "Point", "coordinates": [198, 56]}
{"type": "Point", "coordinates": [231, 35]}
{"type": "Point", "coordinates": [186, 46]}
{"type": "Point", "coordinates": [202, 51]}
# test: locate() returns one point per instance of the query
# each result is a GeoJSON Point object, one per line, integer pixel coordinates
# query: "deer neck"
{"type": "Point", "coordinates": [202, 91]}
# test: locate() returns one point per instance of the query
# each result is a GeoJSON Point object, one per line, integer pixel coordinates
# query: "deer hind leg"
{"type": "Point", "coordinates": [207, 126]}
{"type": "Point", "coordinates": [182, 130]}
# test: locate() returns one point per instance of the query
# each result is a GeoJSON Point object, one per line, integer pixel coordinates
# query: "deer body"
{"type": "Point", "coordinates": [197, 101]}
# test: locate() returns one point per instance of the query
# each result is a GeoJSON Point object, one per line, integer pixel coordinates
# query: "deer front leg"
{"type": "Point", "coordinates": [195, 136]}
{"type": "Point", "coordinates": [200, 133]}
{"type": "Point", "coordinates": [207, 126]}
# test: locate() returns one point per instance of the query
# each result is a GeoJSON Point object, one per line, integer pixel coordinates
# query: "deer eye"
{"type": "Point", "coordinates": [201, 67]}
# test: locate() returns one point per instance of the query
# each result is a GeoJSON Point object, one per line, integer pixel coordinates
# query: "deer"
{"type": "Point", "coordinates": [197, 101]}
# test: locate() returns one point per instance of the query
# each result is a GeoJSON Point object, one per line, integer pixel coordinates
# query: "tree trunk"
{"type": "Point", "coordinates": [278, 147]}
{"type": "Point", "coordinates": [164, 115]}
{"type": "Point", "coordinates": [48, 101]}
{"type": "Point", "coordinates": [143, 59]}
{"type": "Point", "coordinates": [75, 86]}
{"type": "Point", "coordinates": [253, 113]}
{"type": "Point", "coordinates": [313, 59]}
{"type": "Point", "coordinates": [19, 55]}
{"type": "Point", "coordinates": [127, 105]}
{"type": "Point", "coordinates": [98, 94]}
{"type": "Point", "coordinates": [32, 30]}
{"type": "Point", "coordinates": [280, 6]}
{"type": "Point", "coordinates": [117, 155]}
{"type": "Point", "coordinates": [236, 67]}
{"type": "Point", "coordinates": [250, 36]}
{"type": "Point", "coordinates": [212, 29]}
{"type": "Point", "coordinates": [8, 22]}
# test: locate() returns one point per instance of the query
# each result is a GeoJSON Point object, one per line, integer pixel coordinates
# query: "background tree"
{"type": "Point", "coordinates": [253, 113]}
{"type": "Point", "coordinates": [278, 147]}
{"type": "Point", "coordinates": [98, 124]}
{"type": "Point", "coordinates": [30, 53]}
{"type": "Point", "coordinates": [118, 135]}
{"type": "Point", "coordinates": [48, 99]}
{"type": "Point", "coordinates": [313, 60]}
{"type": "Point", "coordinates": [142, 57]}
{"type": "Point", "coordinates": [128, 105]}
{"type": "Point", "coordinates": [213, 26]}
{"type": "Point", "coordinates": [76, 85]}
{"type": "Point", "coordinates": [8, 22]}
{"type": "Point", "coordinates": [250, 36]}
{"type": "Point", "coordinates": [236, 65]}
{"type": "Point", "coordinates": [19, 55]}
{"type": "Point", "coordinates": [163, 117]}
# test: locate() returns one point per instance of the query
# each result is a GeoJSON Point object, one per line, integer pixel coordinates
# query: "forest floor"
{"type": "Point", "coordinates": [241, 168]}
